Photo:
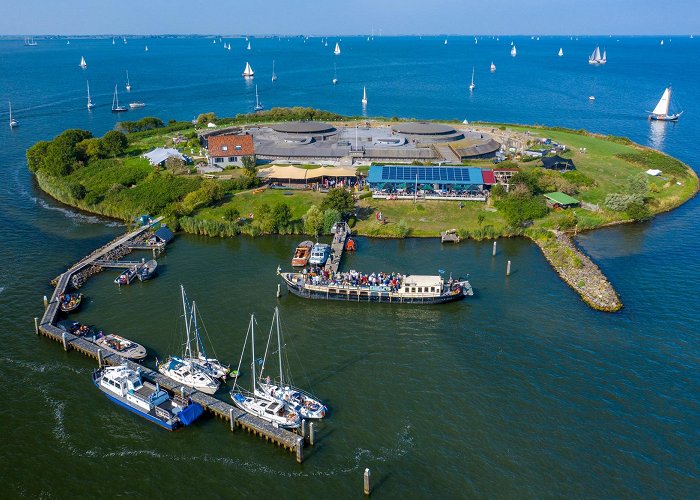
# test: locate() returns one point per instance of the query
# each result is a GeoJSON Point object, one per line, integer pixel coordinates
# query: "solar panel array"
{"type": "Point", "coordinates": [426, 174]}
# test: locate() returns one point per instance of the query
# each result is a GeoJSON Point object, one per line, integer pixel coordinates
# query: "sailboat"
{"type": "Point", "coordinates": [662, 42]}
{"type": "Point", "coordinates": [90, 104]}
{"type": "Point", "coordinates": [83, 64]}
{"type": "Point", "coordinates": [248, 47]}
{"type": "Point", "coordinates": [183, 370]}
{"type": "Point", "coordinates": [445, 41]}
{"type": "Point", "coordinates": [307, 405]}
{"type": "Point", "coordinates": [116, 108]}
{"type": "Point", "coordinates": [335, 75]}
{"type": "Point", "coordinates": [29, 42]}
{"type": "Point", "coordinates": [337, 49]}
{"type": "Point", "coordinates": [228, 47]}
{"type": "Point", "coordinates": [128, 84]}
{"type": "Point", "coordinates": [211, 366]}
{"type": "Point", "coordinates": [271, 410]}
{"type": "Point", "coordinates": [472, 85]}
{"type": "Point", "coordinates": [248, 71]}
{"type": "Point", "coordinates": [364, 95]}
{"type": "Point", "coordinates": [274, 76]}
{"type": "Point", "coordinates": [146, 48]}
{"type": "Point", "coordinates": [561, 51]}
{"type": "Point", "coordinates": [476, 41]}
{"type": "Point", "coordinates": [13, 123]}
{"type": "Point", "coordinates": [661, 110]}
{"type": "Point", "coordinates": [258, 106]}
{"type": "Point", "coordinates": [493, 67]}
{"type": "Point", "coordinates": [513, 51]}
{"type": "Point", "coordinates": [113, 41]}
{"type": "Point", "coordinates": [67, 42]}
{"type": "Point", "coordinates": [596, 58]}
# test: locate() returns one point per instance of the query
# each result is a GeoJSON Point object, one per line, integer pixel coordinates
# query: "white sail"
{"type": "Point", "coordinates": [561, 52]}
{"type": "Point", "coordinates": [128, 84]}
{"type": "Point", "coordinates": [472, 85]}
{"type": "Point", "coordinates": [90, 104]}
{"type": "Point", "coordinates": [604, 59]}
{"type": "Point", "coordinates": [513, 51]}
{"type": "Point", "coordinates": [662, 107]}
{"type": "Point", "coordinates": [274, 76]}
{"type": "Point", "coordinates": [364, 94]}
{"type": "Point", "coordinates": [83, 64]}
{"type": "Point", "coordinates": [146, 48]}
{"type": "Point", "coordinates": [248, 47]}
{"type": "Point", "coordinates": [493, 67]}
{"type": "Point", "coordinates": [337, 49]}
{"type": "Point", "coordinates": [248, 71]}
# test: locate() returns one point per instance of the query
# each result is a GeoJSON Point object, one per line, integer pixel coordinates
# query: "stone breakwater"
{"type": "Point", "coordinates": [579, 272]}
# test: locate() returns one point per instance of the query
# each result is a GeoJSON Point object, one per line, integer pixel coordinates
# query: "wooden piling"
{"type": "Point", "coordinates": [508, 269]}
{"type": "Point", "coordinates": [36, 325]}
{"type": "Point", "coordinates": [46, 302]}
{"type": "Point", "coordinates": [100, 358]}
{"type": "Point", "coordinates": [367, 482]}
{"type": "Point", "coordinates": [311, 433]}
{"type": "Point", "coordinates": [300, 449]}
{"type": "Point", "coordinates": [494, 249]}
{"type": "Point", "coordinates": [231, 419]}
{"type": "Point", "coordinates": [303, 428]}
{"type": "Point", "coordinates": [65, 341]}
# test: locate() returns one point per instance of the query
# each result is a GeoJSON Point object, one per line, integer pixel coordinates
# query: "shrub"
{"type": "Point", "coordinates": [330, 217]}
{"type": "Point", "coordinates": [638, 212]}
{"type": "Point", "coordinates": [619, 202]}
{"type": "Point", "coordinates": [579, 179]}
{"type": "Point", "coordinates": [340, 200]}
{"type": "Point", "coordinates": [313, 220]}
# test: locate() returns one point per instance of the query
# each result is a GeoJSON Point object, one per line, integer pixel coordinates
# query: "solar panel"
{"type": "Point", "coordinates": [447, 175]}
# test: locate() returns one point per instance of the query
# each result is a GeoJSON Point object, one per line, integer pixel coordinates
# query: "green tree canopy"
{"type": "Point", "coordinates": [313, 221]}
{"type": "Point", "coordinates": [114, 143]}
{"type": "Point", "coordinates": [340, 200]}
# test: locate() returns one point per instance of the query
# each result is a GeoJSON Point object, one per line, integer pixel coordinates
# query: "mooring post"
{"type": "Point", "coordinates": [100, 358]}
{"type": "Point", "coordinates": [300, 450]}
{"type": "Point", "coordinates": [494, 248]}
{"type": "Point", "coordinates": [36, 325]}
{"type": "Point", "coordinates": [65, 342]}
{"type": "Point", "coordinates": [233, 422]}
{"type": "Point", "coordinates": [279, 291]}
{"type": "Point", "coordinates": [368, 482]}
{"type": "Point", "coordinates": [46, 302]}
{"type": "Point", "coordinates": [303, 428]}
{"type": "Point", "coordinates": [311, 433]}
{"type": "Point", "coordinates": [508, 269]}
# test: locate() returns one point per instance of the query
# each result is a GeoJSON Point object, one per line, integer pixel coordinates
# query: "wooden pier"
{"type": "Point", "coordinates": [342, 232]}
{"type": "Point", "coordinates": [236, 417]}
{"type": "Point", "coordinates": [449, 236]}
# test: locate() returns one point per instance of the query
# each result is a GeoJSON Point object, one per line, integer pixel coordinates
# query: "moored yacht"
{"type": "Point", "coordinates": [319, 254]}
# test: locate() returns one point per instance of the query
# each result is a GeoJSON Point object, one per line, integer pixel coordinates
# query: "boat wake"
{"type": "Point", "coordinates": [76, 217]}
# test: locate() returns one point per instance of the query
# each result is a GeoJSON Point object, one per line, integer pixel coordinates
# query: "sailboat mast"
{"type": "Point", "coordinates": [279, 344]}
{"type": "Point", "coordinates": [252, 349]}
{"type": "Point", "coordinates": [188, 348]}
{"type": "Point", "coordinates": [200, 344]}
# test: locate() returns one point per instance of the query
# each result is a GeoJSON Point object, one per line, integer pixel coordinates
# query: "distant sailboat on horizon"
{"type": "Point", "coordinates": [128, 84]}
{"type": "Point", "coordinates": [660, 112]}
{"type": "Point", "coordinates": [364, 95]}
{"type": "Point", "coordinates": [513, 51]}
{"type": "Point", "coordinates": [274, 75]}
{"type": "Point", "coordinates": [90, 104]}
{"type": "Point", "coordinates": [83, 64]}
{"type": "Point", "coordinates": [116, 108]}
{"type": "Point", "coordinates": [335, 76]}
{"type": "Point", "coordinates": [258, 106]}
{"type": "Point", "coordinates": [248, 47]}
{"type": "Point", "coordinates": [146, 48]}
{"type": "Point", "coordinates": [248, 71]}
{"type": "Point", "coordinates": [561, 52]}
{"type": "Point", "coordinates": [596, 58]}
{"type": "Point", "coordinates": [472, 85]}
{"type": "Point", "coordinates": [13, 123]}
{"type": "Point", "coordinates": [336, 51]}
{"type": "Point", "coordinates": [493, 67]}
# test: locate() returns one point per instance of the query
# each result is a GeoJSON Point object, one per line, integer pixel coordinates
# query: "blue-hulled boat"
{"type": "Point", "coordinates": [125, 387]}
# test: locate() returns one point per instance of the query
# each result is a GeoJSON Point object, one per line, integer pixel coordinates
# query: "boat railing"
{"type": "Point", "coordinates": [161, 413]}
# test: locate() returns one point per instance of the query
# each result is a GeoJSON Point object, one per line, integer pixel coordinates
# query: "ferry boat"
{"type": "Point", "coordinates": [319, 254]}
{"type": "Point", "coordinates": [302, 254]}
{"type": "Point", "coordinates": [112, 342]}
{"type": "Point", "coordinates": [408, 289]}
{"type": "Point", "coordinates": [125, 387]}
{"type": "Point", "coordinates": [69, 302]}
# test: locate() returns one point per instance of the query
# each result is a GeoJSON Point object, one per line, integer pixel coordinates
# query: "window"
{"type": "Point", "coordinates": [233, 158]}
{"type": "Point", "coordinates": [224, 148]}
{"type": "Point", "coordinates": [218, 160]}
{"type": "Point", "coordinates": [239, 147]}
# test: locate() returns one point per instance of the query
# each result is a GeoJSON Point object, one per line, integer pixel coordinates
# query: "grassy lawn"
{"type": "Point", "coordinates": [250, 201]}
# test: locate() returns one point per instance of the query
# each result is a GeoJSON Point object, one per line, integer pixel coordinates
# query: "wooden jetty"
{"type": "Point", "coordinates": [449, 236]}
{"type": "Point", "coordinates": [342, 231]}
{"type": "Point", "coordinates": [236, 417]}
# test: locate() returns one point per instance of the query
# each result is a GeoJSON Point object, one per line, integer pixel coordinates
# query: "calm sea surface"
{"type": "Point", "coordinates": [521, 391]}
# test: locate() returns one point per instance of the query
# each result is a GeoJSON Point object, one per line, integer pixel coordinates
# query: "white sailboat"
{"type": "Point", "coordinates": [211, 366]}
{"type": "Point", "coordinates": [90, 104]}
{"type": "Point", "coordinates": [183, 370]}
{"type": "Point", "coordinates": [493, 67]}
{"type": "Point", "coordinates": [337, 49]}
{"type": "Point", "coordinates": [476, 41]}
{"type": "Point", "coordinates": [83, 64]}
{"type": "Point", "coordinates": [596, 58]}
{"type": "Point", "coordinates": [513, 51]}
{"type": "Point", "coordinates": [116, 108]}
{"type": "Point", "coordinates": [561, 51]}
{"type": "Point", "coordinates": [274, 75]}
{"type": "Point", "coordinates": [335, 75]}
{"type": "Point", "coordinates": [248, 71]}
{"type": "Point", "coordinates": [13, 123]}
{"type": "Point", "coordinates": [146, 48]}
{"type": "Point", "coordinates": [29, 42]}
{"type": "Point", "coordinates": [248, 47]}
{"type": "Point", "coordinates": [113, 41]}
{"type": "Point", "coordinates": [266, 408]}
{"type": "Point", "coordinates": [128, 84]}
{"type": "Point", "coordinates": [67, 42]}
{"type": "Point", "coordinates": [662, 42]}
{"type": "Point", "coordinates": [307, 405]}
{"type": "Point", "coordinates": [661, 110]}
{"type": "Point", "coordinates": [258, 106]}
{"type": "Point", "coordinates": [228, 47]}
{"type": "Point", "coordinates": [445, 41]}
{"type": "Point", "coordinates": [472, 85]}
{"type": "Point", "coordinates": [364, 95]}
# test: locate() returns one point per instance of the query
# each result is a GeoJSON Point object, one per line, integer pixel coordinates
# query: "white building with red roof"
{"type": "Point", "coordinates": [229, 150]}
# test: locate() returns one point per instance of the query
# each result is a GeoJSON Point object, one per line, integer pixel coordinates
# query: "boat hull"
{"type": "Point", "coordinates": [665, 118]}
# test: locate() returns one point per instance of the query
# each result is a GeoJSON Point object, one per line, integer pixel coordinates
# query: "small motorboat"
{"type": "Point", "coordinates": [112, 343]}
{"type": "Point", "coordinates": [319, 254]}
{"type": "Point", "coordinates": [125, 387]}
{"type": "Point", "coordinates": [137, 104]}
{"type": "Point", "coordinates": [147, 270]}
{"type": "Point", "coordinates": [77, 329]}
{"type": "Point", "coordinates": [126, 277]}
{"type": "Point", "coordinates": [69, 302]}
{"type": "Point", "coordinates": [350, 245]}
{"type": "Point", "coordinates": [302, 254]}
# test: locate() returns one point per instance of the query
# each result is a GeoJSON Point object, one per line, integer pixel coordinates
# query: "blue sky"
{"type": "Point", "coordinates": [392, 17]}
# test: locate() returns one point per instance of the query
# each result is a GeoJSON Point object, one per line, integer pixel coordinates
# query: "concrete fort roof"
{"type": "Point", "coordinates": [301, 128]}
{"type": "Point", "coordinates": [422, 128]}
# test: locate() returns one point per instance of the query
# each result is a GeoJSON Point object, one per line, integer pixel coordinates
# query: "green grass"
{"type": "Point", "coordinates": [250, 202]}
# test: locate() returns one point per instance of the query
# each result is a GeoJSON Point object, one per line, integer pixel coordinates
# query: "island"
{"type": "Point", "coordinates": [300, 170]}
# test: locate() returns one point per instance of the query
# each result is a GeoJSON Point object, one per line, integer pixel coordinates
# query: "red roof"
{"type": "Point", "coordinates": [231, 145]}
{"type": "Point", "coordinates": [487, 175]}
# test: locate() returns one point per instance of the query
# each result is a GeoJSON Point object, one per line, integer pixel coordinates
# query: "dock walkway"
{"type": "Point", "coordinates": [337, 247]}
{"type": "Point", "coordinates": [221, 409]}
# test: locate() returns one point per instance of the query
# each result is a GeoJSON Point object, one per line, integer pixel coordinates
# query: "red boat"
{"type": "Point", "coordinates": [302, 254]}
{"type": "Point", "coordinates": [350, 245]}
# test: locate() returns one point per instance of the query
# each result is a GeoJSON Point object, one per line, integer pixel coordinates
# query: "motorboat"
{"type": "Point", "coordinates": [302, 254]}
{"type": "Point", "coordinates": [147, 270]}
{"type": "Point", "coordinates": [70, 302]}
{"type": "Point", "coordinates": [319, 254]}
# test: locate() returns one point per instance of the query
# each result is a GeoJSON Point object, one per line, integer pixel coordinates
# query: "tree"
{"type": "Point", "coordinates": [92, 148]}
{"type": "Point", "coordinates": [231, 214]}
{"type": "Point", "coordinates": [530, 180]}
{"type": "Point", "coordinates": [176, 165]}
{"type": "Point", "coordinates": [35, 154]}
{"type": "Point", "coordinates": [330, 217]}
{"type": "Point", "coordinates": [249, 163]}
{"type": "Point", "coordinates": [205, 118]}
{"type": "Point", "coordinates": [639, 212]}
{"type": "Point", "coordinates": [313, 221]}
{"type": "Point", "coordinates": [281, 216]}
{"type": "Point", "coordinates": [114, 143]}
{"type": "Point", "coordinates": [638, 184]}
{"type": "Point", "coordinates": [340, 200]}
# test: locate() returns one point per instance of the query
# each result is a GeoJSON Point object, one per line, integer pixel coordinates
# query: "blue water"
{"type": "Point", "coordinates": [522, 391]}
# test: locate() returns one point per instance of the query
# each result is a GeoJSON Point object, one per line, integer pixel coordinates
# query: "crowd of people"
{"type": "Point", "coordinates": [388, 282]}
